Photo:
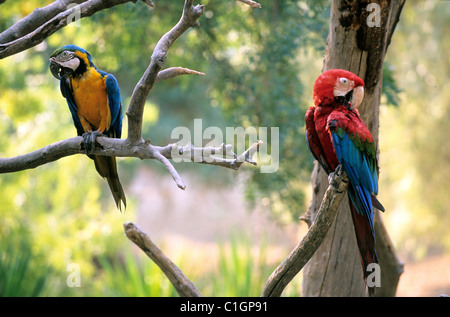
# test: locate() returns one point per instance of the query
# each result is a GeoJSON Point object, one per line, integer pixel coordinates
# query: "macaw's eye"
{"type": "Point", "coordinates": [343, 80]}
{"type": "Point", "coordinates": [66, 55]}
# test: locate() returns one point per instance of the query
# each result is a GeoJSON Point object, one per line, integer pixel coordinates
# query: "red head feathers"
{"type": "Point", "coordinates": [337, 82]}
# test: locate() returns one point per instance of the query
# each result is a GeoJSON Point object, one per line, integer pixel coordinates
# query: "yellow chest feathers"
{"type": "Point", "coordinates": [91, 100]}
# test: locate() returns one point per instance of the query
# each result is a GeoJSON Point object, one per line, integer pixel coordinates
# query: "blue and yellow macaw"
{"type": "Point", "coordinates": [94, 100]}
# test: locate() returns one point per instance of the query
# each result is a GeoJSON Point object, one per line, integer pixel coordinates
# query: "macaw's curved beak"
{"type": "Point", "coordinates": [55, 69]}
{"type": "Point", "coordinates": [58, 71]}
{"type": "Point", "coordinates": [357, 96]}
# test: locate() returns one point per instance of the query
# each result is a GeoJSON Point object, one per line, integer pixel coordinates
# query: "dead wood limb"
{"type": "Point", "coordinates": [221, 155]}
{"type": "Point", "coordinates": [35, 19]}
{"type": "Point", "coordinates": [175, 71]}
{"type": "Point", "coordinates": [134, 145]}
{"type": "Point", "coordinates": [301, 254]}
{"type": "Point", "coordinates": [43, 22]}
{"type": "Point", "coordinates": [136, 108]}
{"type": "Point", "coordinates": [182, 284]}
{"type": "Point", "coordinates": [251, 3]}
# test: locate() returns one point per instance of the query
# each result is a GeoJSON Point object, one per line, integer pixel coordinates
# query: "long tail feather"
{"type": "Point", "coordinates": [107, 168]}
{"type": "Point", "coordinates": [366, 242]}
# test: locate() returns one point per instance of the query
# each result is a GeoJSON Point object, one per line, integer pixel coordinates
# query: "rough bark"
{"type": "Point", "coordinates": [335, 269]}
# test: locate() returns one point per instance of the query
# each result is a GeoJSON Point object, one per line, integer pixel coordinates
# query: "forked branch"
{"type": "Point", "coordinates": [43, 22]}
{"type": "Point", "coordinates": [136, 108]}
{"type": "Point", "coordinates": [134, 145]}
{"type": "Point", "coordinates": [301, 254]}
{"type": "Point", "coordinates": [221, 156]}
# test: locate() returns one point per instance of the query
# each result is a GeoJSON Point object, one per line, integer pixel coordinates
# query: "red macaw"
{"type": "Point", "coordinates": [93, 97]}
{"type": "Point", "coordinates": [336, 135]}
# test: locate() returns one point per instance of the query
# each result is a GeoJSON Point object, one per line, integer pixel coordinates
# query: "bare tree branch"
{"type": "Point", "coordinates": [43, 22]}
{"type": "Point", "coordinates": [42, 156]}
{"type": "Point", "coordinates": [301, 254]}
{"type": "Point", "coordinates": [251, 3]}
{"type": "Point", "coordinates": [134, 145]}
{"type": "Point", "coordinates": [136, 108]}
{"type": "Point", "coordinates": [171, 169]}
{"type": "Point", "coordinates": [35, 19]}
{"type": "Point", "coordinates": [182, 284]}
{"type": "Point", "coordinates": [175, 71]}
{"type": "Point", "coordinates": [221, 156]}
{"type": "Point", "coordinates": [149, 3]}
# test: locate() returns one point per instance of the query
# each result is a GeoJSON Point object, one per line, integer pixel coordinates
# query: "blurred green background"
{"type": "Point", "coordinates": [228, 230]}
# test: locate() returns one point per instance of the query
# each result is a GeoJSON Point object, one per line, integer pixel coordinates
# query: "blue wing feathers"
{"type": "Point", "coordinates": [67, 93]}
{"type": "Point", "coordinates": [115, 105]}
{"type": "Point", "coordinates": [363, 180]}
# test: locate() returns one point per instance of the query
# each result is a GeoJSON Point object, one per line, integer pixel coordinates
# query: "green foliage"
{"type": "Point", "coordinates": [133, 276]}
{"type": "Point", "coordinates": [242, 270]}
{"type": "Point", "coordinates": [390, 90]}
{"type": "Point", "coordinates": [23, 272]}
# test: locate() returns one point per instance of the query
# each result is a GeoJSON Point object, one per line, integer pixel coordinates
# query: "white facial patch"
{"type": "Point", "coordinates": [342, 86]}
{"type": "Point", "coordinates": [71, 63]}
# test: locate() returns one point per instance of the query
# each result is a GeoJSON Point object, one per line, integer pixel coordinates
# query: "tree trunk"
{"type": "Point", "coordinates": [360, 32]}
